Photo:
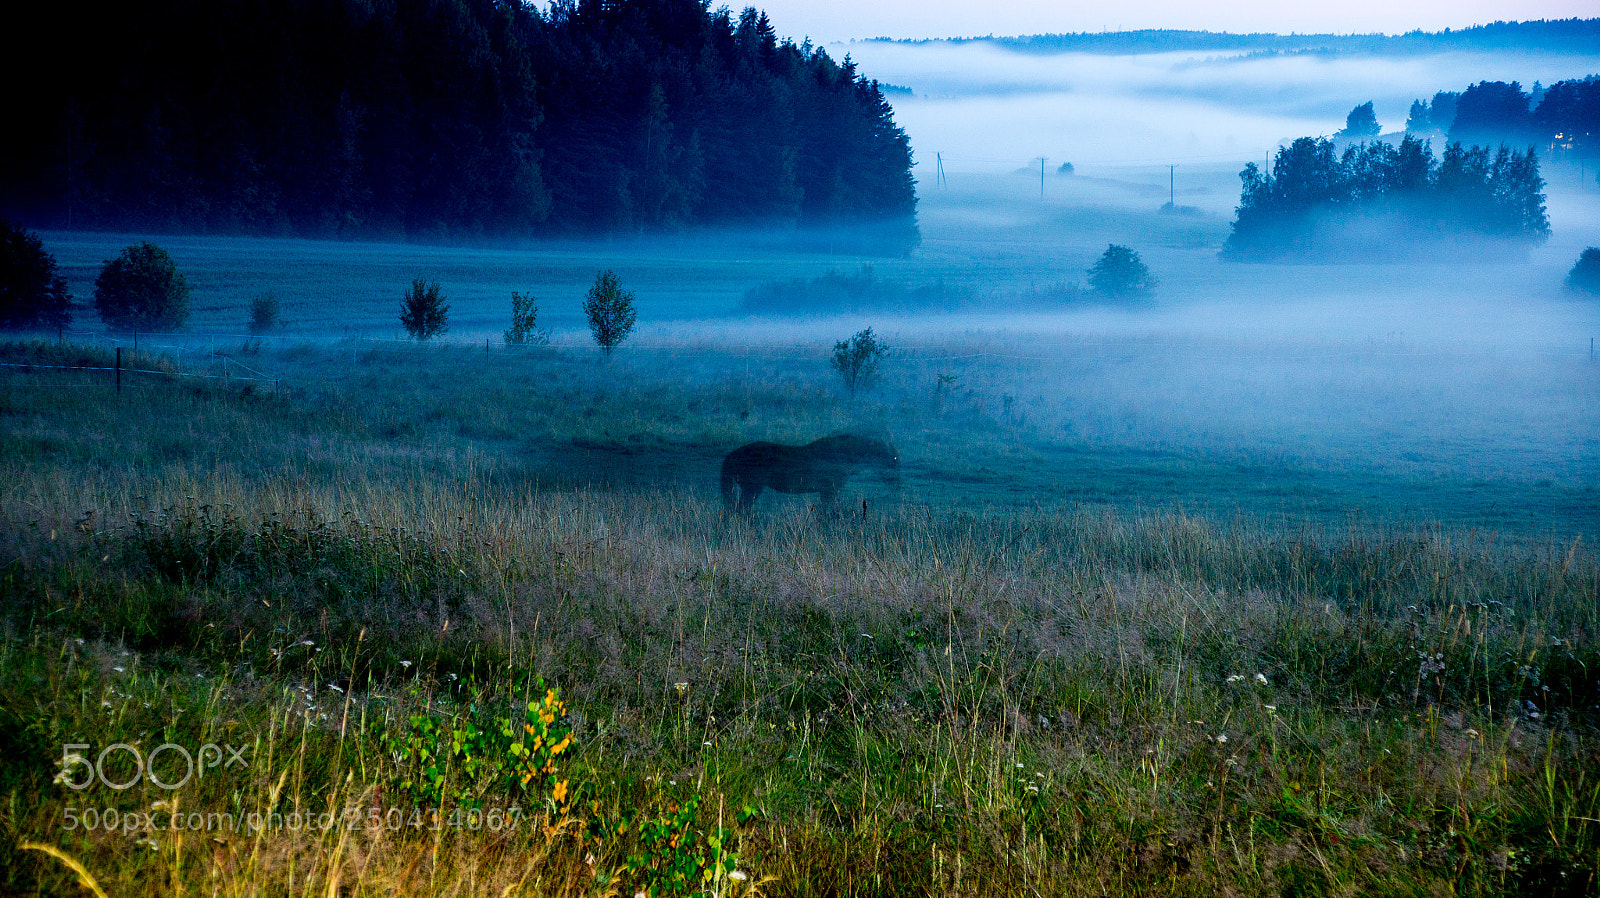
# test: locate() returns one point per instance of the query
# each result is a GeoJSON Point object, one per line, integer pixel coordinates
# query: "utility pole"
{"type": "Point", "coordinates": [1172, 186]}
{"type": "Point", "coordinates": [1041, 177]}
{"type": "Point", "coordinates": [938, 179]}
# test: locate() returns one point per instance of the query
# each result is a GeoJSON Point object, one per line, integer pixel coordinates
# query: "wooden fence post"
{"type": "Point", "coordinates": [119, 370]}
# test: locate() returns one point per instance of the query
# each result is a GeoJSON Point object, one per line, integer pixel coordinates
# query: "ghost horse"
{"type": "Point", "coordinates": [820, 467]}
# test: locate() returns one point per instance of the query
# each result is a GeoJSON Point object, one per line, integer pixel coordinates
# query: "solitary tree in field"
{"type": "Point", "coordinates": [1119, 272]}
{"type": "Point", "coordinates": [857, 359]}
{"type": "Point", "coordinates": [32, 294]}
{"type": "Point", "coordinates": [1585, 275]}
{"type": "Point", "coordinates": [423, 311]}
{"type": "Point", "coordinates": [609, 309]}
{"type": "Point", "coordinates": [141, 290]}
{"type": "Point", "coordinates": [1360, 123]}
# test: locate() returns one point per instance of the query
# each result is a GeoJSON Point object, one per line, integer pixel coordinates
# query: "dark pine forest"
{"type": "Point", "coordinates": [446, 119]}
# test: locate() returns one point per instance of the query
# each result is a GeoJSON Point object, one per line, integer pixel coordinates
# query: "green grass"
{"type": "Point", "coordinates": [1050, 665]}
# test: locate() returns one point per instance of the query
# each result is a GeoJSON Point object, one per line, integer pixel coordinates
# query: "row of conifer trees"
{"type": "Point", "coordinates": [444, 118]}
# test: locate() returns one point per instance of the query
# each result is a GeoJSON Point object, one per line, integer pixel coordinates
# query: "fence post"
{"type": "Point", "coordinates": [119, 370]}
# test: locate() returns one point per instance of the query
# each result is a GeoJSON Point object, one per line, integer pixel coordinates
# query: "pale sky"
{"type": "Point", "coordinates": [837, 20]}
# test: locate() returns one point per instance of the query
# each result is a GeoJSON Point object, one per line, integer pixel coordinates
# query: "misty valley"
{"type": "Point", "coordinates": [1188, 484]}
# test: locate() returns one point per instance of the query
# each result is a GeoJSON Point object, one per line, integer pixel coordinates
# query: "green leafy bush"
{"type": "Point", "coordinates": [462, 760]}
{"type": "Point", "coordinates": [525, 323]}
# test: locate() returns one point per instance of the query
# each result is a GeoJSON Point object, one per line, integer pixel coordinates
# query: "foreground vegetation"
{"type": "Point", "coordinates": [501, 587]}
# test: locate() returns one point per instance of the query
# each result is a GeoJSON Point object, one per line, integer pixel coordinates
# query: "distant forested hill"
{"type": "Point", "coordinates": [442, 118]}
{"type": "Point", "coordinates": [1573, 35]}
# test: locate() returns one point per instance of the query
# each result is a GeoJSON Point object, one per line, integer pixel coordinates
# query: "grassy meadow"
{"type": "Point", "coordinates": [1222, 595]}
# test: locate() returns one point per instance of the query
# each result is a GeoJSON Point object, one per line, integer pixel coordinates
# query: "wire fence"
{"type": "Point", "coordinates": [190, 350]}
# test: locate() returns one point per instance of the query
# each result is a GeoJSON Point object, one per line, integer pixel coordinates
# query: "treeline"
{"type": "Point", "coordinates": [444, 119]}
{"type": "Point", "coordinates": [1315, 200]}
{"type": "Point", "coordinates": [1565, 117]}
{"type": "Point", "coordinates": [1570, 35]}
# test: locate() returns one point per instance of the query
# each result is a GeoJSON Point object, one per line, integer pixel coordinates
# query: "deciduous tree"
{"type": "Point", "coordinates": [32, 294]}
{"type": "Point", "coordinates": [142, 290]}
{"type": "Point", "coordinates": [610, 311]}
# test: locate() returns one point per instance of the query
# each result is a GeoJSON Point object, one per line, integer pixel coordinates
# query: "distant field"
{"type": "Point", "coordinates": [1386, 391]}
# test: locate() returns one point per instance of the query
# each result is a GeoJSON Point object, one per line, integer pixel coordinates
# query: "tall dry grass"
{"type": "Point", "coordinates": [934, 698]}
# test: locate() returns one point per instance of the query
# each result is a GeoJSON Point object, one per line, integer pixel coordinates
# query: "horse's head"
{"type": "Point", "coordinates": [887, 458]}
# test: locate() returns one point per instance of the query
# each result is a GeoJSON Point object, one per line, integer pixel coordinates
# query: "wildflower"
{"type": "Point", "coordinates": [1235, 678]}
{"type": "Point", "coordinates": [1471, 733]}
{"type": "Point", "coordinates": [560, 793]}
{"type": "Point", "coordinates": [335, 688]}
{"type": "Point", "coordinates": [1270, 708]}
{"type": "Point", "coordinates": [681, 687]}
{"type": "Point", "coordinates": [738, 876]}
{"type": "Point", "coordinates": [1261, 679]}
{"type": "Point", "coordinates": [1019, 766]}
{"type": "Point", "coordinates": [307, 642]}
{"type": "Point", "coordinates": [1222, 737]}
{"type": "Point", "coordinates": [405, 664]}
{"type": "Point", "coordinates": [120, 669]}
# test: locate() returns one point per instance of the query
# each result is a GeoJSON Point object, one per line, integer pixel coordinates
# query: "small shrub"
{"type": "Point", "coordinates": [1119, 272]}
{"type": "Point", "coordinates": [524, 323]}
{"type": "Point", "coordinates": [264, 311]}
{"type": "Point", "coordinates": [423, 312]}
{"type": "Point", "coordinates": [676, 856]}
{"type": "Point", "coordinates": [32, 294]}
{"type": "Point", "coordinates": [858, 358]}
{"type": "Point", "coordinates": [465, 759]}
{"type": "Point", "coordinates": [609, 309]}
{"type": "Point", "coordinates": [1585, 274]}
{"type": "Point", "coordinates": [141, 289]}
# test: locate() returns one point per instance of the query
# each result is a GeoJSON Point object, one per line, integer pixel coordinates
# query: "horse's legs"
{"type": "Point", "coordinates": [747, 494]}
{"type": "Point", "coordinates": [828, 501]}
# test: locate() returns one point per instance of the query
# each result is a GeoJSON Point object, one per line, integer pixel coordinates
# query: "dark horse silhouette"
{"type": "Point", "coordinates": [820, 467]}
